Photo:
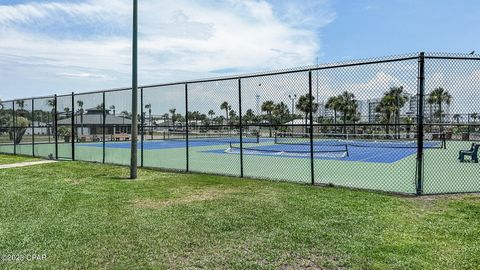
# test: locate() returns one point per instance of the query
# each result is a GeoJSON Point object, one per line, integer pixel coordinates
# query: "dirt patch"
{"type": "Point", "coordinates": [430, 198]}
{"type": "Point", "coordinates": [314, 262]}
{"type": "Point", "coordinates": [198, 196]}
{"type": "Point", "coordinates": [73, 181]}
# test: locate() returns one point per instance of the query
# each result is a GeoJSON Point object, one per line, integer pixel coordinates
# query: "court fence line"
{"type": "Point", "coordinates": [63, 127]}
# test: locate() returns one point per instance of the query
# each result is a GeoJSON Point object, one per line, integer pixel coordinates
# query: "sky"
{"type": "Point", "coordinates": [60, 46]}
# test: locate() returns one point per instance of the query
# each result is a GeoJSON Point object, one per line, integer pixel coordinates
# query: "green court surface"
{"type": "Point", "coordinates": [443, 173]}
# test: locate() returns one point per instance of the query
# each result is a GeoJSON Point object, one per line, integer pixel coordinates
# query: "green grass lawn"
{"type": "Point", "coordinates": [85, 215]}
{"type": "Point", "coordinates": [10, 159]}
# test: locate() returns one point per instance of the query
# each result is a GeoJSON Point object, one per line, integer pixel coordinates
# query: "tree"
{"type": "Point", "coordinates": [211, 113]}
{"type": "Point", "coordinates": [249, 116]}
{"type": "Point", "coordinates": [303, 105]}
{"type": "Point", "coordinates": [438, 97]}
{"type": "Point", "coordinates": [348, 106]}
{"type": "Point", "coordinates": [226, 107]}
{"type": "Point", "coordinates": [474, 116]}
{"type": "Point", "coordinates": [165, 118]}
{"type": "Point", "coordinates": [174, 116]}
{"type": "Point", "coordinates": [457, 117]}
{"type": "Point", "coordinates": [390, 105]}
{"type": "Point", "coordinates": [16, 134]}
{"type": "Point", "coordinates": [67, 111]}
{"type": "Point", "coordinates": [386, 107]}
{"type": "Point", "coordinates": [113, 109]}
{"type": "Point", "coordinates": [21, 107]}
{"type": "Point", "coordinates": [80, 111]}
{"type": "Point", "coordinates": [268, 106]}
{"type": "Point", "coordinates": [281, 112]}
{"type": "Point", "coordinates": [333, 103]}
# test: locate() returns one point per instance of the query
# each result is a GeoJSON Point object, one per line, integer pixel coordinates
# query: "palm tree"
{"type": "Point", "coordinates": [281, 112]}
{"type": "Point", "coordinates": [249, 116]}
{"type": "Point", "coordinates": [225, 106]}
{"type": "Point", "coordinates": [80, 111]}
{"type": "Point", "coordinates": [457, 117]}
{"type": "Point", "coordinates": [211, 113]}
{"type": "Point", "coordinates": [232, 116]}
{"type": "Point", "coordinates": [333, 103]}
{"type": "Point", "coordinates": [174, 116]}
{"type": "Point", "coordinates": [67, 111]}
{"type": "Point", "coordinates": [439, 96]}
{"type": "Point", "coordinates": [400, 99]}
{"type": "Point", "coordinates": [165, 117]}
{"type": "Point", "coordinates": [303, 105]}
{"type": "Point", "coordinates": [474, 116]}
{"type": "Point", "coordinates": [348, 106]}
{"type": "Point", "coordinates": [387, 107]}
{"type": "Point", "coordinates": [21, 106]}
{"type": "Point", "coordinates": [268, 106]}
{"type": "Point", "coordinates": [113, 109]}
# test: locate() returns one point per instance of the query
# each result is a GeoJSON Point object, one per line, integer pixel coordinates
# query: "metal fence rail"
{"type": "Point", "coordinates": [395, 124]}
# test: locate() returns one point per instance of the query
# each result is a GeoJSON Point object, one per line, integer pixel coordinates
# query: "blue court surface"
{"type": "Point", "coordinates": [362, 152]}
{"type": "Point", "coordinates": [375, 153]}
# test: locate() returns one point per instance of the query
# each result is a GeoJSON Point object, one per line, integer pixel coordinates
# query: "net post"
{"type": "Point", "coordinates": [312, 166]}
{"type": "Point", "coordinates": [14, 127]}
{"type": "Point", "coordinates": [33, 127]}
{"type": "Point", "coordinates": [420, 122]}
{"type": "Point", "coordinates": [55, 124]}
{"type": "Point", "coordinates": [241, 125]}
{"type": "Point", "coordinates": [142, 127]}
{"type": "Point", "coordinates": [187, 151]}
{"type": "Point", "coordinates": [104, 127]}
{"type": "Point", "coordinates": [73, 126]}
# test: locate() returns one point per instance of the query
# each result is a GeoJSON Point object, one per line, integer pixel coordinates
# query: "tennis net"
{"type": "Point", "coordinates": [403, 140]}
{"type": "Point", "coordinates": [337, 151]}
{"type": "Point", "coordinates": [219, 137]}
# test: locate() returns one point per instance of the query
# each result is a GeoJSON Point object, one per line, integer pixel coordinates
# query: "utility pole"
{"type": "Point", "coordinates": [133, 155]}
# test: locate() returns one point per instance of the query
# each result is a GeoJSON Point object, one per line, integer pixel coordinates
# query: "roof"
{"type": "Point", "coordinates": [96, 119]}
{"type": "Point", "coordinates": [300, 122]}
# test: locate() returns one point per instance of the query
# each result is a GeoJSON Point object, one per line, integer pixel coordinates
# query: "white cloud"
{"type": "Point", "coordinates": [178, 40]}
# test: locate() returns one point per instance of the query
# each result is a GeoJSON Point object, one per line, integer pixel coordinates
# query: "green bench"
{"type": "Point", "coordinates": [472, 153]}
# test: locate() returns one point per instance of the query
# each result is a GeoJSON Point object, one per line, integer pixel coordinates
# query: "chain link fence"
{"type": "Point", "coordinates": [405, 124]}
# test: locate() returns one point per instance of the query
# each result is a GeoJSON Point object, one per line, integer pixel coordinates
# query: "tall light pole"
{"type": "Point", "coordinates": [318, 112]}
{"type": "Point", "coordinates": [133, 155]}
{"type": "Point", "coordinates": [292, 99]}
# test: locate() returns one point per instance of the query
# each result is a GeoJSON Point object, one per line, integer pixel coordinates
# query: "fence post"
{"type": "Point", "coordinates": [187, 155]}
{"type": "Point", "coordinates": [142, 125]}
{"type": "Point", "coordinates": [73, 126]}
{"type": "Point", "coordinates": [55, 125]}
{"type": "Point", "coordinates": [241, 125]}
{"type": "Point", "coordinates": [104, 126]}
{"type": "Point", "coordinates": [420, 120]}
{"type": "Point", "coordinates": [312, 165]}
{"type": "Point", "coordinates": [33, 127]}
{"type": "Point", "coordinates": [14, 127]}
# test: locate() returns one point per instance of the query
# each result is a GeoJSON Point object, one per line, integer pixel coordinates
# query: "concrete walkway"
{"type": "Point", "coordinates": [26, 164]}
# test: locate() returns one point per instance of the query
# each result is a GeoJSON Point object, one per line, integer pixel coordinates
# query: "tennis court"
{"type": "Point", "coordinates": [339, 124]}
